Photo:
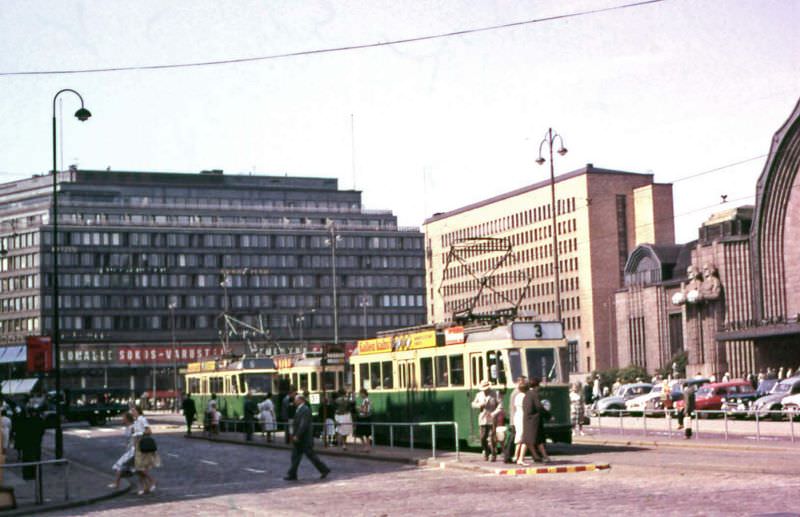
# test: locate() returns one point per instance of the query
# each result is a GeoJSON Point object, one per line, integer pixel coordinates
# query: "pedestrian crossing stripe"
{"type": "Point", "coordinates": [552, 470]}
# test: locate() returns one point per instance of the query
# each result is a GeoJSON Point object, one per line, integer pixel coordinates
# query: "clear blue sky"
{"type": "Point", "coordinates": [676, 88]}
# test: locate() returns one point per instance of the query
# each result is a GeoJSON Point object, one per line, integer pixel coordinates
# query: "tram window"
{"type": "Point", "coordinates": [330, 380]}
{"type": "Point", "coordinates": [375, 375]}
{"type": "Point", "coordinates": [497, 370]}
{"type": "Point", "coordinates": [295, 382]}
{"type": "Point", "coordinates": [216, 385]}
{"type": "Point", "coordinates": [476, 363]}
{"type": "Point", "coordinates": [540, 363]}
{"type": "Point", "coordinates": [401, 369]}
{"type": "Point", "coordinates": [363, 375]}
{"type": "Point", "coordinates": [426, 372]}
{"type": "Point", "coordinates": [257, 383]}
{"type": "Point", "coordinates": [441, 371]}
{"type": "Point", "coordinates": [515, 364]}
{"type": "Point", "coordinates": [194, 386]}
{"type": "Point", "coordinates": [303, 381]}
{"type": "Point", "coordinates": [456, 370]}
{"type": "Point", "coordinates": [234, 384]}
{"type": "Point", "coordinates": [313, 381]}
{"type": "Point", "coordinates": [388, 379]}
{"type": "Point", "coordinates": [340, 378]}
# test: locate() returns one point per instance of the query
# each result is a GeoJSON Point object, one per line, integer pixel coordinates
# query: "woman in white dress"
{"type": "Point", "coordinates": [143, 461]}
{"type": "Point", "coordinates": [266, 410]}
{"type": "Point", "coordinates": [125, 462]}
{"type": "Point", "coordinates": [518, 422]}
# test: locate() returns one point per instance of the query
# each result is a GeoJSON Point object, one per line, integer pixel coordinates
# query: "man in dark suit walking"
{"type": "Point", "coordinates": [303, 441]}
{"type": "Point", "coordinates": [189, 411]}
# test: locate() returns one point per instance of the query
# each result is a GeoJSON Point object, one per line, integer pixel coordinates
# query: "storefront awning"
{"type": "Point", "coordinates": [13, 354]}
{"type": "Point", "coordinates": [18, 386]}
{"type": "Point", "coordinates": [760, 332]}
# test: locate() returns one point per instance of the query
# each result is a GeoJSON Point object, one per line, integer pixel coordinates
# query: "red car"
{"type": "Point", "coordinates": [711, 396]}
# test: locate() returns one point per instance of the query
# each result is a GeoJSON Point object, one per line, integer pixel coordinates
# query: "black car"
{"type": "Point", "coordinates": [92, 405]}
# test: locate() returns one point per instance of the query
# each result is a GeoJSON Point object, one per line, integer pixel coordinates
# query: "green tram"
{"type": "Point", "coordinates": [429, 376]}
{"type": "Point", "coordinates": [230, 381]}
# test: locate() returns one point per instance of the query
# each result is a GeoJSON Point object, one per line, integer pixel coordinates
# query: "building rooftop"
{"type": "Point", "coordinates": [588, 169]}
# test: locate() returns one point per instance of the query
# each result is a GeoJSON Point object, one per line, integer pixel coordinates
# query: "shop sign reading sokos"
{"type": "Point", "coordinates": [134, 355]}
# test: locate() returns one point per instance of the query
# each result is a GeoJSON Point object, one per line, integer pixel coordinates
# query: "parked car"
{"type": "Point", "coordinates": [765, 386]}
{"type": "Point", "coordinates": [769, 405]}
{"type": "Point", "coordinates": [644, 404]}
{"type": "Point", "coordinates": [710, 397]}
{"type": "Point", "coordinates": [616, 402]}
{"type": "Point", "coordinates": [676, 393]}
{"type": "Point", "coordinates": [791, 406]}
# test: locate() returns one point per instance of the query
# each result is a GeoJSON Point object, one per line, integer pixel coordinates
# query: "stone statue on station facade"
{"type": "Point", "coordinates": [704, 311]}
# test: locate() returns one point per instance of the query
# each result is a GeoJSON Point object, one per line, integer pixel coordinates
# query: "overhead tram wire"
{"type": "Point", "coordinates": [347, 48]}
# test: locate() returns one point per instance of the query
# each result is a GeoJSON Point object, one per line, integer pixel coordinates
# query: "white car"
{"type": "Point", "coordinates": [638, 405]}
{"type": "Point", "coordinates": [791, 405]}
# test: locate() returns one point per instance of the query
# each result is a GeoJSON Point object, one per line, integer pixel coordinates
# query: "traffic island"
{"type": "Point", "coordinates": [523, 471]}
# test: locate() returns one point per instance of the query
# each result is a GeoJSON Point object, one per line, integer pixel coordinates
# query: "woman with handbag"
{"type": "Point", "coordinates": [124, 465]}
{"type": "Point", "coordinates": [146, 456]}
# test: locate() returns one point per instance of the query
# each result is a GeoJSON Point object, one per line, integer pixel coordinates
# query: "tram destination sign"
{"type": "Point", "coordinates": [530, 330]}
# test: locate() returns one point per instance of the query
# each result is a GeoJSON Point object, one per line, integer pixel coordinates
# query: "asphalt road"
{"type": "Point", "coordinates": [203, 478]}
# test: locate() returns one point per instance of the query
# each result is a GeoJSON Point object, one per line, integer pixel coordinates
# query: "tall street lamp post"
{"type": "Point", "coordinates": [324, 360]}
{"type": "Point", "coordinates": [82, 114]}
{"type": "Point", "coordinates": [172, 307]}
{"type": "Point", "coordinates": [549, 139]}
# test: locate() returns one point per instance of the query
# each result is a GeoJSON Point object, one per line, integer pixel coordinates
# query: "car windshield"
{"type": "Point", "coordinates": [782, 387]}
{"type": "Point", "coordinates": [705, 391]}
{"type": "Point", "coordinates": [621, 391]}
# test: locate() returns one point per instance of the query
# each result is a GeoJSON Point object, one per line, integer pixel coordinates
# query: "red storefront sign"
{"type": "Point", "coordinates": [40, 354]}
{"type": "Point", "coordinates": [89, 355]}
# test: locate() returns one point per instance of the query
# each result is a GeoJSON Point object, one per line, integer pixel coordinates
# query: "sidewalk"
{"type": "Point", "coordinates": [675, 438]}
{"type": "Point", "coordinates": [86, 486]}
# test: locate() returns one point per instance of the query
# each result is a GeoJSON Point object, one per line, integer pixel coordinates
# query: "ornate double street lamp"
{"type": "Point", "coordinates": [549, 139]}
{"type": "Point", "coordinates": [82, 114]}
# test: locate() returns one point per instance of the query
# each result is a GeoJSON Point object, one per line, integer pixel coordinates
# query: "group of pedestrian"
{"type": "Point", "coordinates": [140, 454]}
{"type": "Point", "coordinates": [524, 431]}
{"type": "Point", "coordinates": [344, 416]}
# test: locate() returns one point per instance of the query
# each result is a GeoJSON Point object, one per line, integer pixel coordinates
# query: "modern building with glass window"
{"type": "Point", "coordinates": [160, 269]}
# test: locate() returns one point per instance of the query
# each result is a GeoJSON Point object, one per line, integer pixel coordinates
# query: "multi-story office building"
{"type": "Point", "coordinates": [151, 262]}
{"type": "Point", "coordinates": [601, 215]}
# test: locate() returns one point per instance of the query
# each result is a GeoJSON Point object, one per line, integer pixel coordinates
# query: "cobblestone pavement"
{"type": "Point", "coordinates": [203, 478]}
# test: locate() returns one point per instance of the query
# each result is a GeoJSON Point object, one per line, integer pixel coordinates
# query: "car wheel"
{"type": "Point", "coordinates": [774, 415]}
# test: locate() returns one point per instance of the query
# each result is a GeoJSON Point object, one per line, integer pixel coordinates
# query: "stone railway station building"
{"type": "Point", "coordinates": [731, 298]}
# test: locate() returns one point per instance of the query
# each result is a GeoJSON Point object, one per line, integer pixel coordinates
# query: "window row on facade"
{"type": "Point", "coordinates": [540, 252]}
{"type": "Point", "coordinates": [19, 283]}
{"type": "Point", "coordinates": [19, 241]}
{"type": "Point", "coordinates": [230, 240]}
{"type": "Point", "coordinates": [535, 215]}
{"type": "Point", "coordinates": [19, 262]}
{"type": "Point", "coordinates": [19, 303]}
{"type": "Point", "coordinates": [161, 281]}
{"type": "Point", "coordinates": [212, 321]}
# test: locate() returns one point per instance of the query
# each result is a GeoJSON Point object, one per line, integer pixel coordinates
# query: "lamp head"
{"type": "Point", "coordinates": [540, 160]}
{"type": "Point", "coordinates": [83, 114]}
{"type": "Point", "coordinates": [562, 151]}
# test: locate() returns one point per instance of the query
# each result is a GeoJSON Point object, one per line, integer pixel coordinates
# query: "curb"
{"type": "Point", "coordinates": [322, 451]}
{"type": "Point", "coordinates": [553, 469]}
{"type": "Point", "coordinates": [569, 469]}
{"type": "Point", "coordinates": [66, 505]}
{"type": "Point", "coordinates": [694, 443]}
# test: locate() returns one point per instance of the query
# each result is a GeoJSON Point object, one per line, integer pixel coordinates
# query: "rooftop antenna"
{"type": "Point", "coordinates": [353, 148]}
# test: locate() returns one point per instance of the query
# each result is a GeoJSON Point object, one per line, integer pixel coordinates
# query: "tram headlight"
{"type": "Point", "coordinates": [546, 405]}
